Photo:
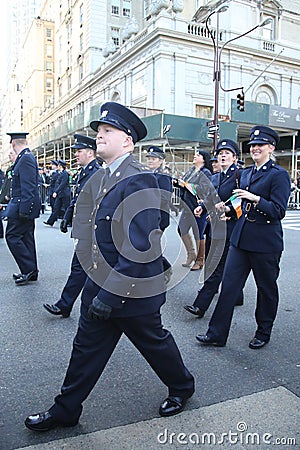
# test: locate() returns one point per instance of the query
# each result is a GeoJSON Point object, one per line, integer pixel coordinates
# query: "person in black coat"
{"type": "Point", "coordinates": [224, 182]}
{"type": "Point", "coordinates": [22, 210]}
{"type": "Point", "coordinates": [127, 287]}
{"type": "Point", "coordinates": [155, 158]}
{"type": "Point", "coordinates": [61, 194]}
{"type": "Point", "coordinates": [256, 242]}
{"type": "Point", "coordinates": [198, 177]}
{"type": "Point", "coordinates": [85, 152]}
{"type": "Point", "coordinates": [53, 178]}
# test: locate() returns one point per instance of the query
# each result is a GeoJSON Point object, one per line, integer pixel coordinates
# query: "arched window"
{"type": "Point", "coordinates": [265, 94]}
{"type": "Point", "coordinates": [116, 97]}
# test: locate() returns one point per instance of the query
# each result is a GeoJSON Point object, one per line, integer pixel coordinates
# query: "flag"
{"type": "Point", "coordinates": [189, 186]}
{"type": "Point", "coordinates": [237, 204]}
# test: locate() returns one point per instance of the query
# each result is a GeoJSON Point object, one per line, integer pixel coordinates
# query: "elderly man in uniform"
{"type": "Point", "coordinates": [23, 208]}
{"type": "Point", "coordinates": [256, 242]}
{"type": "Point", "coordinates": [128, 288]}
{"type": "Point", "coordinates": [85, 152]}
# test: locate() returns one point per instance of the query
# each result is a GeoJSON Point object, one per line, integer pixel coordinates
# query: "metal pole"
{"type": "Point", "coordinates": [217, 86]}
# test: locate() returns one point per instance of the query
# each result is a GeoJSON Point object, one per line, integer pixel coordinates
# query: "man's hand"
{"type": "Point", "coordinates": [64, 226]}
{"type": "Point", "coordinates": [99, 310]}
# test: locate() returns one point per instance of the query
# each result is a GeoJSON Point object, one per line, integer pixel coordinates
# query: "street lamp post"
{"type": "Point", "coordinates": [217, 67]}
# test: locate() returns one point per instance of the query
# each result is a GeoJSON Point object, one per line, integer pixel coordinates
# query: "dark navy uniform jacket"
{"type": "Point", "coordinates": [259, 229]}
{"type": "Point", "coordinates": [165, 184]}
{"type": "Point", "coordinates": [125, 265]}
{"type": "Point", "coordinates": [83, 176]}
{"type": "Point", "coordinates": [53, 178]}
{"type": "Point", "coordinates": [25, 201]}
{"type": "Point", "coordinates": [62, 186]}
{"type": "Point", "coordinates": [223, 185]}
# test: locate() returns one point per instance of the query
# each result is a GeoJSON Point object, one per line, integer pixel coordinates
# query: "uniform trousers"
{"type": "Point", "coordinates": [20, 240]}
{"type": "Point", "coordinates": [239, 263]}
{"type": "Point", "coordinates": [73, 286]}
{"type": "Point", "coordinates": [214, 268]}
{"type": "Point", "coordinates": [95, 342]}
{"type": "Point", "coordinates": [60, 206]}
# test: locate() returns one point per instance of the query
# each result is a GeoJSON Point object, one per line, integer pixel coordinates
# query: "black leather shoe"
{"type": "Point", "coordinates": [26, 278]}
{"type": "Point", "coordinates": [56, 311]}
{"type": "Point", "coordinates": [195, 310]}
{"type": "Point", "coordinates": [257, 343]}
{"type": "Point", "coordinates": [49, 224]}
{"type": "Point", "coordinates": [16, 276]}
{"type": "Point", "coordinates": [204, 339]}
{"type": "Point", "coordinates": [45, 422]}
{"type": "Point", "coordinates": [172, 405]}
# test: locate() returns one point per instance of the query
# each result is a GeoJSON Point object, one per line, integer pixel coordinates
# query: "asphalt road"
{"type": "Point", "coordinates": [35, 346]}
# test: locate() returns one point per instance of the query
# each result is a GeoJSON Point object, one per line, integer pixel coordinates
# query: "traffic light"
{"type": "Point", "coordinates": [241, 101]}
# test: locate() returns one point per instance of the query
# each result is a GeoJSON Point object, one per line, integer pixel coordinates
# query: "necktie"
{"type": "Point", "coordinates": [106, 176]}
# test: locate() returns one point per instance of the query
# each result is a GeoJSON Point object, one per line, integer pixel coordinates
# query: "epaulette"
{"type": "Point", "coordinates": [139, 166]}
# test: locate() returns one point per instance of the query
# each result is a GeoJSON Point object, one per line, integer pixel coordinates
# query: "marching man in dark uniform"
{"type": "Point", "coordinates": [61, 194]}
{"type": "Point", "coordinates": [256, 242]}
{"type": "Point", "coordinates": [23, 208]}
{"type": "Point", "coordinates": [128, 288]}
{"type": "Point", "coordinates": [53, 178]}
{"type": "Point", "coordinates": [85, 153]}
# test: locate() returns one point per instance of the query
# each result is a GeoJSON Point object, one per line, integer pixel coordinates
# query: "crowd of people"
{"type": "Point", "coordinates": [117, 215]}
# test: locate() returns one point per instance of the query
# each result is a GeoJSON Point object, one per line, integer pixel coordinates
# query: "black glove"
{"type": "Point", "coordinates": [99, 310]}
{"type": "Point", "coordinates": [64, 226]}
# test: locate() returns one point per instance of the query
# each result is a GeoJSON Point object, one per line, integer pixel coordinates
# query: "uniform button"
{"type": "Point", "coordinates": [123, 301]}
{"type": "Point", "coordinates": [127, 293]}
{"type": "Point", "coordinates": [107, 218]}
{"type": "Point", "coordinates": [268, 221]}
{"type": "Point", "coordinates": [246, 215]}
{"type": "Point", "coordinates": [95, 266]}
{"type": "Point", "coordinates": [95, 227]}
{"type": "Point", "coordinates": [133, 285]}
{"type": "Point", "coordinates": [104, 190]}
{"type": "Point", "coordinates": [95, 246]}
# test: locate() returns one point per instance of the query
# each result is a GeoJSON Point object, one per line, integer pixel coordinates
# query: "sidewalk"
{"type": "Point", "coordinates": [263, 420]}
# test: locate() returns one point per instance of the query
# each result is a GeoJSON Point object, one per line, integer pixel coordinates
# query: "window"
{"type": "Point", "coordinates": [49, 33]}
{"type": "Point", "coordinates": [80, 71]}
{"type": "Point", "coordinates": [115, 34]}
{"type": "Point", "coordinates": [69, 82]}
{"type": "Point", "coordinates": [268, 31]}
{"type": "Point", "coordinates": [81, 14]}
{"type": "Point", "coordinates": [203, 112]}
{"type": "Point", "coordinates": [49, 50]}
{"type": "Point", "coordinates": [49, 84]}
{"type": "Point", "coordinates": [115, 7]}
{"type": "Point", "coordinates": [48, 66]}
{"type": "Point", "coordinates": [81, 43]}
{"type": "Point", "coordinates": [126, 8]}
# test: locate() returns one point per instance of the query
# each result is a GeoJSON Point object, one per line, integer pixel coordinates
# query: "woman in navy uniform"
{"type": "Point", "coordinates": [85, 152]}
{"type": "Point", "coordinates": [199, 176]}
{"type": "Point", "coordinates": [61, 194]}
{"type": "Point", "coordinates": [224, 182]}
{"type": "Point", "coordinates": [24, 206]}
{"type": "Point", "coordinates": [256, 242]}
{"type": "Point", "coordinates": [128, 267]}
{"type": "Point", "coordinates": [53, 178]}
